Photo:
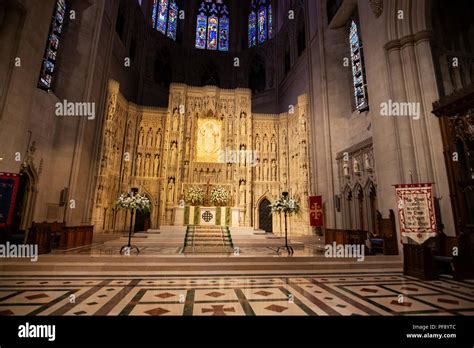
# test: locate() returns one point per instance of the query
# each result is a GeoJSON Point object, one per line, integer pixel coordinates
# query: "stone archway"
{"type": "Point", "coordinates": [143, 220]}
{"type": "Point", "coordinates": [25, 200]}
{"type": "Point", "coordinates": [265, 218]}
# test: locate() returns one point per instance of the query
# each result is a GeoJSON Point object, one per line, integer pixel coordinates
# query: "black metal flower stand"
{"type": "Point", "coordinates": [288, 247]}
{"type": "Point", "coordinates": [127, 249]}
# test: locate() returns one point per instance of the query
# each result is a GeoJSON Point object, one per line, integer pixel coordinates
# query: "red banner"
{"type": "Point", "coordinates": [8, 188]}
{"type": "Point", "coordinates": [316, 210]}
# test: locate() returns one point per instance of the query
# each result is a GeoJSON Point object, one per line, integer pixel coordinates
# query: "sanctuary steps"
{"type": "Point", "coordinates": [195, 264]}
{"type": "Point", "coordinates": [208, 239]}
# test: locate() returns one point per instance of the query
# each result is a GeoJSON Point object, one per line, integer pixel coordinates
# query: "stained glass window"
{"type": "Point", "coordinates": [172, 20]}
{"type": "Point", "coordinates": [212, 26]}
{"type": "Point", "coordinates": [164, 17]}
{"type": "Point", "coordinates": [52, 45]}
{"type": "Point", "coordinates": [201, 32]}
{"type": "Point", "coordinates": [224, 34]}
{"type": "Point", "coordinates": [154, 12]}
{"type": "Point", "coordinates": [260, 25]}
{"type": "Point", "coordinates": [252, 29]}
{"type": "Point", "coordinates": [358, 73]}
{"type": "Point", "coordinates": [270, 22]}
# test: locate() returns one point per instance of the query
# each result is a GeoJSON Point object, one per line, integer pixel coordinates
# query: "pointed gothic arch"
{"type": "Point", "coordinates": [264, 216]}
{"type": "Point", "coordinates": [26, 197]}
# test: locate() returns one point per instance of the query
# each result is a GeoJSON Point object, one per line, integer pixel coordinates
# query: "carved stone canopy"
{"type": "Point", "coordinates": [455, 103]}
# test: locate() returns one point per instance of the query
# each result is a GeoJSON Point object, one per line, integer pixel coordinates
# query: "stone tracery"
{"type": "Point", "coordinates": [180, 146]}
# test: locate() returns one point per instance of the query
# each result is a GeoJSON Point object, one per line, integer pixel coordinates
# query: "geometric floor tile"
{"type": "Point", "coordinates": [158, 309]}
{"type": "Point", "coordinates": [215, 295]}
{"type": "Point", "coordinates": [219, 309]}
{"type": "Point", "coordinates": [369, 290]}
{"type": "Point", "coordinates": [409, 304]}
{"type": "Point", "coordinates": [164, 295]}
{"type": "Point", "coordinates": [17, 310]}
{"type": "Point", "coordinates": [35, 297]}
{"type": "Point", "coordinates": [276, 308]}
{"type": "Point", "coordinates": [264, 293]}
{"type": "Point", "coordinates": [410, 289]}
{"type": "Point", "coordinates": [448, 301]}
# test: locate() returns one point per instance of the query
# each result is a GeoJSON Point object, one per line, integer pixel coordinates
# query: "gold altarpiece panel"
{"type": "Point", "coordinates": [208, 144]}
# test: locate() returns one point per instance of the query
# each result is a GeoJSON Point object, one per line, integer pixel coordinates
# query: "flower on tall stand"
{"type": "Point", "coordinates": [287, 206]}
{"type": "Point", "coordinates": [132, 202]}
{"type": "Point", "coordinates": [194, 195]}
{"type": "Point", "coordinates": [137, 202]}
{"type": "Point", "coordinates": [219, 196]}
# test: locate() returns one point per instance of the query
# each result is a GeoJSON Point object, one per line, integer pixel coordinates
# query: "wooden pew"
{"type": "Point", "coordinates": [40, 234]}
{"type": "Point", "coordinates": [418, 261]}
{"type": "Point", "coordinates": [341, 236]}
{"type": "Point", "coordinates": [460, 266]}
{"type": "Point", "coordinates": [76, 236]}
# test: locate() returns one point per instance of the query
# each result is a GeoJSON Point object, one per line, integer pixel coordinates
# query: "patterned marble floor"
{"type": "Point", "coordinates": [364, 293]}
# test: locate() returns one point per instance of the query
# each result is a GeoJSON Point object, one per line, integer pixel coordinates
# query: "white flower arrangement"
{"type": "Point", "coordinates": [194, 195]}
{"type": "Point", "coordinates": [219, 196]}
{"type": "Point", "coordinates": [137, 202]}
{"type": "Point", "coordinates": [285, 205]}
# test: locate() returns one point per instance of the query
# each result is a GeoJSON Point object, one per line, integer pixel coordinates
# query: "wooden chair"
{"type": "Point", "coordinates": [385, 239]}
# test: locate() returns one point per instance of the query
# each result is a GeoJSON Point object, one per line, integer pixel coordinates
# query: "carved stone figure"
{"type": "Point", "coordinates": [173, 153]}
{"type": "Point", "coordinates": [158, 139]}
{"type": "Point", "coordinates": [265, 143]}
{"type": "Point", "coordinates": [141, 137]}
{"type": "Point", "coordinates": [175, 120]}
{"type": "Point", "coordinates": [265, 170]}
{"type": "Point", "coordinates": [156, 165]}
{"type": "Point", "coordinates": [274, 170]}
{"type": "Point", "coordinates": [171, 190]}
{"type": "Point", "coordinates": [139, 165]}
{"type": "Point", "coordinates": [242, 193]}
{"type": "Point", "coordinates": [356, 166]}
{"type": "Point", "coordinates": [345, 169]}
{"type": "Point", "coordinates": [273, 144]}
{"type": "Point", "coordinates": [367, 163]}
{"type": "Point", "coordinates": [258, 170]}
{"type": "Point", "coordinates": [147, 165]}
{"type": "Point", "coordinates": [149, 138]}
{"type": "Point", "coordinates": [257, 144]}
{"type": "Point", "coordinates": [99, 195]}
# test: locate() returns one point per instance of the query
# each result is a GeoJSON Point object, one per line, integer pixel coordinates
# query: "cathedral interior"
{"type": "Point", "coordinates": [252, 137]}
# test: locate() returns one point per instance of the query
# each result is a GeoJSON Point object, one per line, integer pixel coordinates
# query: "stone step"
{"type": "Point", "coordinates": [208, 239]}
{"type": "Point", "coordinates": [206, 243]}
{"type": "Point", "coordinates": [208, 249]}
{"type": "Point", "coordinates": [203, 239]}
{"type": "Point", "coordinates": [207, 234]}
{"type": "Point", "coordinates": [196, 264]}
